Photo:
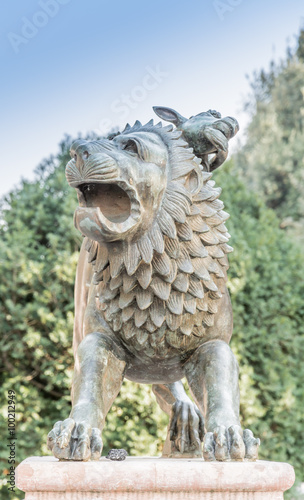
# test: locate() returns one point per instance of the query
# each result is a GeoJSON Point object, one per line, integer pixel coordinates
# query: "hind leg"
{"type": "Point", "coordinates": [99, 371]}
{"type": "Point", "coordinates": [212, 374]}
{"type": "Point", "coordinates": [186, 426]}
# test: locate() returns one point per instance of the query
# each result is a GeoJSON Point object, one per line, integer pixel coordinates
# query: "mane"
{"type": "Point", "coordinates": [162, 290]}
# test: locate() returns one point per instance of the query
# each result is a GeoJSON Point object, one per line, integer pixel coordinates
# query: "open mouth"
{"type": "Point", "coordinates": [107, 210]}
{"type": "Point", "coordinates": [113, 201]}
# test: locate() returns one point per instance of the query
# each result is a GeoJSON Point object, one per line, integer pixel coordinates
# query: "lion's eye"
{"type": "Point", "coordinates": [131, 147]}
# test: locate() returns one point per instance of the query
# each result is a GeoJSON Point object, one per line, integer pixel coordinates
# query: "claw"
{"type": "Point", "coordinates": [220, 440]}
{"type": "Point", "coordinates": [182, 445]}
{"type": "Point", "coordinates": [185, 428]}
{"type": "Point", "coordinates": [71, 441]}
{"type": "Point", "coordinates": [237, 446]}
{"type": "Point", "coordinates": [63, 441]}
{"type": "Point", "coordinates": [84, 430]}
{"type": "Point", "coordinates": [230, 444]}
{"type": "Point", "coordinates": [208, 448]}
{"type": "Point", "coordinates": [195, 442]}
{"type": "Point", "coordinates": [96, 444]}
{"type": "Point", "coordinates": [221, 444]}
{"type": "Point", "coordinates": [50, 440]}
{"type": "Point", "coordinates": [252, 445]}
{"type": "Point", "coordinates": [64, 437]}
{"type": "Point", "coordinates": [53, 434]}
{"type": "Point", "coordinates": [82, 451]}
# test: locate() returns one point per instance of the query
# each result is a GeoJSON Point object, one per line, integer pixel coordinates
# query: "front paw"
{"type": "Point", "coordinates": [224, 444]}
{"type": "Point", "coordinates": [186, 428]}
{"type": "Point", "coordinates": [71, 440]}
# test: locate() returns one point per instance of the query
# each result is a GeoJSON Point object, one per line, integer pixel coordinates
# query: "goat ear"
{"type": "Point", "coordinates": [169, 115]}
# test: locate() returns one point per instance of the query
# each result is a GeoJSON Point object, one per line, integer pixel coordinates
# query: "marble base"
{"type": "Point", "coordinates": [45, 478]}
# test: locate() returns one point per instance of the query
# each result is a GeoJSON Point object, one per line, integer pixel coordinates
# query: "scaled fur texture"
{"type": "Point", "coordinates": [161, 291]}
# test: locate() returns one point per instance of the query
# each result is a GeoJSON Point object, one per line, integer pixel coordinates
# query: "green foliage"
{"type": "Point", "coordinates": [267, 289]}
{"type": "Point", "coordinates": [38, 255]}
{"type": "Point", "coordinates": [38, 260]}
{"type": "Point", "coordinates": [272, 161]}
{"type": "Point", "coordinates": [135, 422]}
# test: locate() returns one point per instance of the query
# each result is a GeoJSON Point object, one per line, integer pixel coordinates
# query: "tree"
{"type": "Point", "coordinates": [272, 159]}
{"type": "Point", "coordinates": [267, 289]}
{"type": "Point", "coordinates": [38, 256]}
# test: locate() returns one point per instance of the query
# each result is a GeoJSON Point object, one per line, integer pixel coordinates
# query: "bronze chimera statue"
{"type": "Point", "coordinates": [151, 302]}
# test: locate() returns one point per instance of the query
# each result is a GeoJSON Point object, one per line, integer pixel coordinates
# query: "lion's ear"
{"type": "Point", "coordinates": [169, 115]}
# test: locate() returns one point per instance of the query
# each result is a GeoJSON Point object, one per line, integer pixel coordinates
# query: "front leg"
{"type": "Point", "coordinates": [99, 370]}
{"type": "Point", "coordinates": [186, 426]}
{"type": "Point", "coordinates": [212, 374]}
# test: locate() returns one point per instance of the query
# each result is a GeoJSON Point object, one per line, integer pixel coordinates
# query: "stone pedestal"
{"type": "Point", "coordinates": [45, 478]}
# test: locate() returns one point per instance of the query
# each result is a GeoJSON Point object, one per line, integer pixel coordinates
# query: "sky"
{"type": "Point", "coordinates": [75, 66]}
